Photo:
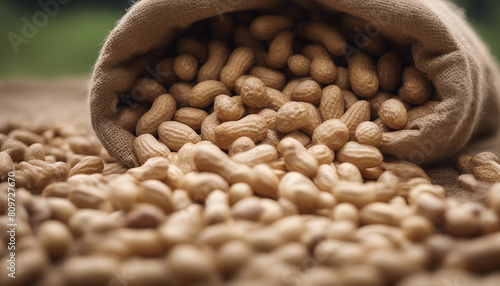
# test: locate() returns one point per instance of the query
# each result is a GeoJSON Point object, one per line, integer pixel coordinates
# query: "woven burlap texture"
{"type": "Point", "coordinates": [444, 47]}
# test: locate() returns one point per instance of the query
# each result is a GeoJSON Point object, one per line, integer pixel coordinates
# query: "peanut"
{"type": "Point", "coordinates": [355, 115]}
{"type": "Point", "coordinates": [393, 114]}
{"type": "Point", "coordinates": [238, 63]}
{"type": "Point", "coordinates": [228, 108]}
{"type": "Point", "coordinates": [192, 117]}
{"type": "Point", "coordinates": [147, 90]}
{"type": "Point", "coordinates": [389, 68]}
{"type": "Point", "coordinates": [180, 92]}
{"type": "Point", "coordinates": [299, 190]}
{"type": "Point", "coordinates": [254, 93]}
{"type": "Point", "coordinates": [331, 105]}
{"type": "Point", "coordinates": [271, 78]}
{"type": "Point", "coordinates": [280, 49]}
{"type": "Point", "coordinates": [218, 54]}
{"type": "Point", "coordinates": [332, 133]}
{"type": "Point", "coordinates": [323, 70]}
{"type": "Point", "coordinates": [163, 109]}
{"type": "Point", "coordinates": [146, 146]}
{"type": "Point", "coordinates": [188, 45]}
{"type": "Point", "coordinates": [368, 133]}
{"type": "Point", "coordinates": [204, 93]}
{"type": "Point", "coordinates": [307, 91]}
{"type": "Point", "coordinates": [128, 118]}
{"type": "Point", "coordinates": [297, 158]}
{"type": "Point", "coordinates": [299, 65]}
{"type": "Point", "coordinates": [252, 126]}
{"type": "Point", "coordinates": [326, 35]}
{"type": "Point", "coordinates": [342, 80]}
{"type": "Point", "coordinates": [200, 185]}
{"type": "Point", "coordinates": [165, 71]}
{"type": "Point", "coordinates": [185, 67]}
{"type": "Point", "coordinates": [416, 89]}
{"type": "Point", "coordinates": [241, 144]}
{"type": "Point", "coordinates": [363, 75]}
{"type": "Point", "coordinates": [175, 134]}
{"type": "Point", "coordinates": [267, 27]}
{"type": "Point", "coordinates": [291, 116]}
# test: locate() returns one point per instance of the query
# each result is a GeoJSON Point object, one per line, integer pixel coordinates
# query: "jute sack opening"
{"type": "Point", "coordinates": [445, 48]}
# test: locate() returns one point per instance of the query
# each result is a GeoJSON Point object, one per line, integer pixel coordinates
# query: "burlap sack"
{"type": "Point", "coordinates": [444, 47]}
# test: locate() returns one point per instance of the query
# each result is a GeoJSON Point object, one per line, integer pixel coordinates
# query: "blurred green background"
{"type": "Point", "coordinates": [67, 42]}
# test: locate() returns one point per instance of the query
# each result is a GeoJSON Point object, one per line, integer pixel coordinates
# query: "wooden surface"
{"type": "Point", "coordinates": [67, 100]}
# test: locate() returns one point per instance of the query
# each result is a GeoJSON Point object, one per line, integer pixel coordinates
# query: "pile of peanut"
{"type": "Point", "coordinates": [259, 167]}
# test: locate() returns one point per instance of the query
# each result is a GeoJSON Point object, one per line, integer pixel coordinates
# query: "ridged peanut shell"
{"type": "Point", "coordinates": [362, 156]}
{"type": "Point", "coordinates": [146, 146]}
{"type": "Point", "coordinates": [175, 135]}
{"type": "Point", "coordinates": [204, 93]}
{"type": "Point", "coordinates": [163, 109]}
{"type": "Point", "coordinates": [252, 126]}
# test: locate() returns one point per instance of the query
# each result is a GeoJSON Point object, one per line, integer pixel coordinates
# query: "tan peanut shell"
{"type": "Point", "coordinates": [275, 98]}
{"type": "Point", "coordinates": [204, 93]}
{"type": "Point", "coordinates": [254, 93]}
{"type": "Point", "coordinates": [192, 117]}
{"type": "Point", "coordinates": [35, 152]}
{"type": "Point", "coordinates": [258, 155]}
{"type": "Point", "coordinates": [243, 38]}
{"type": "Point", "coordinates": [208, 127]}
{"type": "Point", "coordinates": [185, 67]}
{"type": "Point", "coordinates": [393, 113]}
{"type": "Point", "coordinates": [357, 113]}
{"type": "Point", "coordinates": [326, 35]}
{"type": "Point", "coordinates": [376, 101]}
{"type": "Point", "coordinates": [163, 109]}
{"type": "Point", "coordinates": [307, 91]}
{"type": "Point", "coordinates": [389, 70]}
{"type": "Point", "coordinates": [362, 156]}
{"type": "Point", "coordinates": [291, 116]}
{"type": "Point", "coordinates": [128, 118]}
{"type": "Point", "coordinates": [271, 78]}
{"type": "Point", "coordinates": [218, 54]}
{"type": "Point", "coordinates": [270, 116]}
{"type": "Point", "coordinates": [323, 70]}
{"type": "Point", "coordinates": [180, 92]}
{"type": "Point", "coordinates": [332, 133]}
{"type": "Point", "coordinates": [416, 88]}
{"type": "Point", "coordinates": [252, 126]}
{"type": "Point", "coordinates": [297, 158]}
{"type": "Point", "coordinates": [368, 133]}
{"type": "Point", "coordinates": [241, 144]}
{"type": "Point", "coordinates": [165, 71]}
{"type": "Point", "coordinates": [313, 51]}
{"type": "Point", "coordinates": [175, 134]}
{"type": "Point", "coordinates": [322, 153]}
{"type": "Point", "coordinates": [147, 90]}
{"type": "Point", "coordinates": [228, 108]}
{"type": "Point", "coordinates": [6, 165]}
{"type": "Point", "coordinates": [146, 146]}
{"type": "Point", "coordinates": [299, 65]}
{"type": "Point", "coordinates": [89, 165]}
{"type": "Point", "coordinates": [313, 119]}
{"type": "Point", "coordinates": [331, 105]}
{"type": "Point", "coordinates": [349, 99]}
{"type": "Point", "coordinates": [342, 80]}
{"type": "Point", "coordinates": [188, 45]}
{"type": "Point", "coordinates": [363, 75]}
{"type": "Point", "coordinates": [280, 49]}
{"type": "Point", "coordinates": [239, 83]}
{"type": "Point", "coordinates": [266, 27]}
{"type": "Point", "coordinates": [237, 65]}
{"type": "Point", "coordinates": [300, 190]}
